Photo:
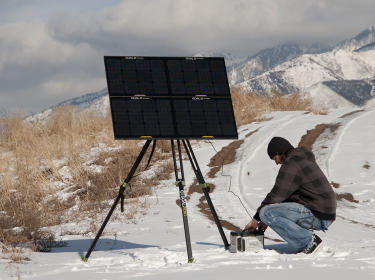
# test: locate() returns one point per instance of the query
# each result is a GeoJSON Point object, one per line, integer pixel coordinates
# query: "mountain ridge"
{"type": "Point", "coordinates": [350, 60]}
{"type": "Point", "coordinates": [344, 72]}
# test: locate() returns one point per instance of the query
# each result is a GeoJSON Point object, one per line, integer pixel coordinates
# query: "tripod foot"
{"type": "Point", "coordinates": [84, 259]}
{"type": "Point", "coordinates": [191, 260]}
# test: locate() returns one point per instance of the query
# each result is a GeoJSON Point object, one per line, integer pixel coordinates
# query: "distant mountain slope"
{"type": "Point", "coordinates": [269, 58]}
{"type": "Point", "coordinates": [347, 70]}
{"type": "Point", "coordinates": [97, 102]}
{"type": "Point", "coordinates": [364, 38]}
{"type": "Point", "coordinates": [357, 92]}
{"type": "Point", "coordinates": [83, 101]}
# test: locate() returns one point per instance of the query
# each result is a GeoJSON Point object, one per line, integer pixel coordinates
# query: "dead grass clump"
{"type": "Point", "coordinates": [249, 106]}
{"type": "Point", "coordinates": [347, 196]}
{"type": "Point", "coordinates": [225, 156]}
{"type": "Point", "coordinates": [351, 113]}
{"type": "Point", "coordinates": [366, 165]}
{"type": "Point", "coordinates": [311, 135]}
{"type": "Point", "coordinates": [251, 132]}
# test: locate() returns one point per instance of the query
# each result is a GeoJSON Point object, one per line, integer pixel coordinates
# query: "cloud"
{"type": "Point", "coordinates": [46, 61]}
{"type": "Point", "coordinates": [190, 25]}
{"type": "Point", "coordinates": [36, 69]}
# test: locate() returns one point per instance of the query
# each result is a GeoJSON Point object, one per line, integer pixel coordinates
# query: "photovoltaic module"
{"type": "Point", "coordinates": [170, 98]}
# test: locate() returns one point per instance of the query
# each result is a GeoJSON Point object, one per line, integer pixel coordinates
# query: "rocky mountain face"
{"type": "Point", "coordinates": [348, 70]}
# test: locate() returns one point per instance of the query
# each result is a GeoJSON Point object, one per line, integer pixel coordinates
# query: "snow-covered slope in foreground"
{"type": "Point", "coordinates": [154, 247]}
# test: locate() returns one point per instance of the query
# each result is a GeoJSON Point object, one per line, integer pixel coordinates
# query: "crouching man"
{"type": "Point", "coordinates": [301, 201]}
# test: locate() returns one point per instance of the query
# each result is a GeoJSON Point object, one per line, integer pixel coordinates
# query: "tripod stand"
{"type": "Point", "coordinates": [180, 183]}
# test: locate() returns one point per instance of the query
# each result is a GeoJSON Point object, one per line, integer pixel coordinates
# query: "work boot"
{"type": "Point", "coordinates": [313, 245]}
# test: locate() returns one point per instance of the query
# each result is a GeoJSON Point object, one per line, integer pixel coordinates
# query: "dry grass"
{"type": "Point", "coordinates": [28, 168]}
{"type": "Point", "coordinates": [347, 196]}
{"type": "Point", "coordinates": [249, 107]}
{"type": "Point", "coordinates": [225, 156]}
{"type": "Point", "coordinates": [48, 177]}
{"type": "Point", "coordinates": [312, 135]}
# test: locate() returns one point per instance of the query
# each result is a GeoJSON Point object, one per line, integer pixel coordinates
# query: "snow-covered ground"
{"type": "Point", "coordinates": [154, 247]}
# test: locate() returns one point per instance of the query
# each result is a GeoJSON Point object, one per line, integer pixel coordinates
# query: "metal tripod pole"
{"type": "Point", "coordinates": [120, 195]}
{"type": "Point", "coordinates": [205, 189]}
{"type": "Point", "coordinates": [180, 183]}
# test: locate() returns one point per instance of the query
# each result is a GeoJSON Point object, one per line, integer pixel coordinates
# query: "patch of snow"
{"type": "Point", "coordinates": [65, 173]}
{"type": "Point", "coordinates": [57, 163]}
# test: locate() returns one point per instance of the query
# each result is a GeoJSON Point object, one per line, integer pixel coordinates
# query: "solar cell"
{"type": "Point", "coordinates": [169, 97]}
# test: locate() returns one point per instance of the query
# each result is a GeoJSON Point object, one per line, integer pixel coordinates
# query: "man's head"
{"type": "Point", "coordinates": [278, 148]}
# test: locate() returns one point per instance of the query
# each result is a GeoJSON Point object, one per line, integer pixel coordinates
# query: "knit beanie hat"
{"type": "Point", "coordinates": [278, 145]}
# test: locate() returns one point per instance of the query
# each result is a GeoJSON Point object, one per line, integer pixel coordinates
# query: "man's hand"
{"type": "Point", "coordinates": [262, 226]}
{"type": "Point", "coordinates": [254, 224]}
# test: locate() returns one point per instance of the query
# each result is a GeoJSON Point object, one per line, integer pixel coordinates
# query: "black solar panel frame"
{"type": "Point", "coordinates": [203, 73]}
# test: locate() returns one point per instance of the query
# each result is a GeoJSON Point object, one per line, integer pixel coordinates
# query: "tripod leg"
{"type": "Point", "coordinates": [205, 188]}
{"type": "Point", "coordinates": [181, 184]}
{"type": "Point", "coordinates": [122, 189]}
{"type": "Point", "coordinates": [119, 196]}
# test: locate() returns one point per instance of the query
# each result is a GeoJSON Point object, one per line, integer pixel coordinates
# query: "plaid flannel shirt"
{"type": "Point", "coordinates": [301, 180]}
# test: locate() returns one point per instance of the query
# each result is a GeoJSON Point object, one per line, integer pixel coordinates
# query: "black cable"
{"type": "Point", "coordinates": [230, 180]}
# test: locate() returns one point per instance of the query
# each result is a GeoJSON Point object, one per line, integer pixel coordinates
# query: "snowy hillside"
{"type": "Point", "coordinates": [347, 70]}
{"type": "Point", "coordinates": [154, 246]}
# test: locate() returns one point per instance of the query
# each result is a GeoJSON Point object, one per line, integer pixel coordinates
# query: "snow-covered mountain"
{"type": "Point", "coordinates": [267, 59]}
{"type": "Point", "coordinates": [363, 39]}
{"type": "Point", "coordinates": [84, 101]}
{"type": "Point", "coordinates": [348, 70]}
{"type": "Point", "coordinates": [97, 102]}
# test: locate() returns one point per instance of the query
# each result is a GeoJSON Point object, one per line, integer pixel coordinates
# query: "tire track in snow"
{"type": "Point", "coordinates": [340, 139]}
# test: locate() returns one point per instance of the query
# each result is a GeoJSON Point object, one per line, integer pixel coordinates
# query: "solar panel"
{"type": "Point", "coordinates": [170, 97]}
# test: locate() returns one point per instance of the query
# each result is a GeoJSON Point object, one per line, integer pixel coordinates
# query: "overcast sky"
{"type": "Point", "coordinates": [52, 50]}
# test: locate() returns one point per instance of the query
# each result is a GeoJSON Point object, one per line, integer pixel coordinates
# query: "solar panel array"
{"type": "Point", "coordinates": [170, 98]}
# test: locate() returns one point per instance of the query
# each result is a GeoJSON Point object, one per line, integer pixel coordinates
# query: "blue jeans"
{"type": "Point", "coordinates": [293, 222]}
